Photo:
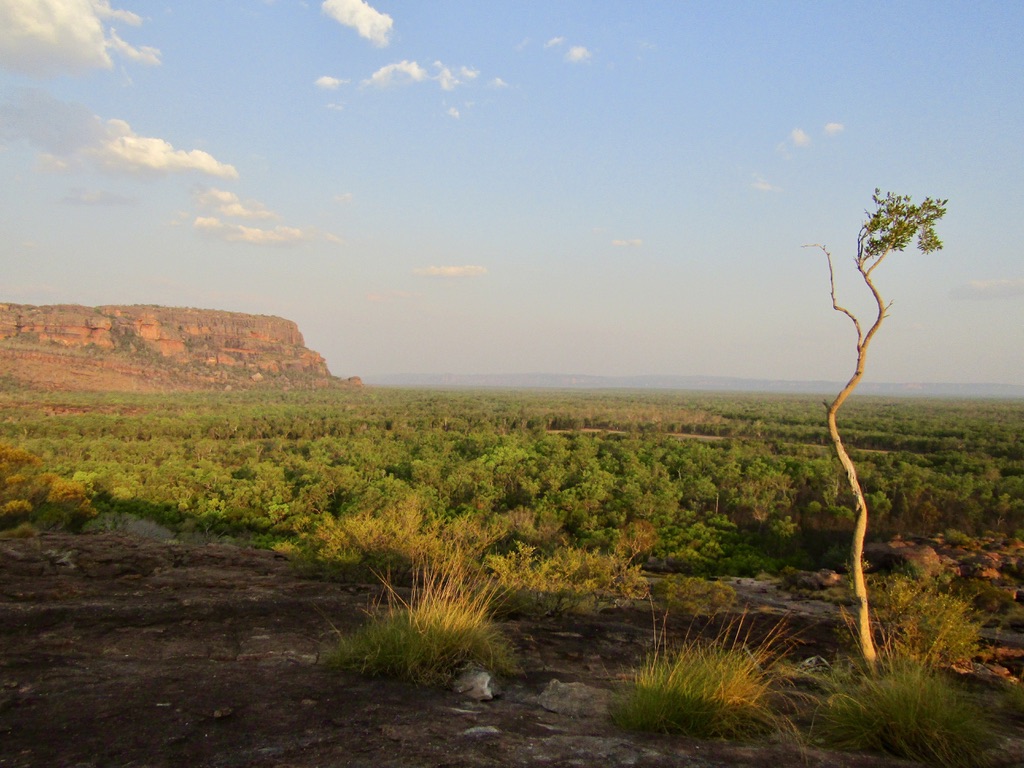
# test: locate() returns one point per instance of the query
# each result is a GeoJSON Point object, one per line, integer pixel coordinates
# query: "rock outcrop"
{"type": "Point", "coordinates": [146, 348]}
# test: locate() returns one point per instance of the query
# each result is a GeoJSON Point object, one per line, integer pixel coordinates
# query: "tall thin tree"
{"type": "Point", "coordinates": [895, 222]}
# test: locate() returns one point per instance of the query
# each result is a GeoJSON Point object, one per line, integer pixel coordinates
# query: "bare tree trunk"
{"type": "Point", "coordinates": [860, 587]}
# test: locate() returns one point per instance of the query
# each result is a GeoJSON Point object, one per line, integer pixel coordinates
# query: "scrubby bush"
{"type": "Point", "coordinates": [567, 579]}
{"type": "Point", "coordinates": [694, 596]}
{"type": "Point", "coordinates": [957, 538]}
{"type": "Point", "coordinates": [27, 494]}
{"type": "Point", "coordinates": [919, 620]}
{"type": "Point", "coordinates": [395, 541]}
{"type": "Point", "coordinates": [906, 710]}
{"type": "Point", "coordinates": [445, 624]}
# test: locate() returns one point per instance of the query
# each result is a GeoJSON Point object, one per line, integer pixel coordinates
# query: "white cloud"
{"type": "Point", "coordinates": [577, 54]}
{"type": "Point", "coordinates": [453, 112]}
{"type": "Point", "coordinates": [104, 11]}
{"type": "Point", "coordinates": [799, 137]}
{"type": "Point", "coordinates": [404, 71]}
{"type": "Point", "coordinates": [239, 233]}
{"type": "Point", "coordinates": [329, 83]}
{"type": "Point", "coordinates": [635, 242]}
{"type": "Point", "coordinates": [69, 135]}
{"type": "Point", "coordinates": [498, 83]}
{"type": "Point", "coordinates": [831, 129]}
{"type": "Point", "coordinates": [344, 198]}
{"type": "Point", "coordinates": [554, 41]}
{"type": "Point", "coordinates": [367, 21]}
{"type": "Point", "coordinates": [990, 289]}
{"type": "Point", "coordinates": [44, 38]}
{"type": "Point", "coordinates": [228, 204]}
{"type": "Point", "coordinates": [464, 271]}
{"type": "Point", "coordinates": [449, 80]}
{"type": "Point", "coordinates": [124, 150]}
{"type": "Point", "coordinates": [763, 185]}
{"type": "Point", "coordinates": [145, 55]}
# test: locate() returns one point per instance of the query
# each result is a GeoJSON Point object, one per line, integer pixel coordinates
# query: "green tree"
{"type": "Point", "coordinates": [895, 222]}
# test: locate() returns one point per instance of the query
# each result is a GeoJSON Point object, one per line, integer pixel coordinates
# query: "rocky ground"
{"type": "Point", "coordinates": [125, 651]}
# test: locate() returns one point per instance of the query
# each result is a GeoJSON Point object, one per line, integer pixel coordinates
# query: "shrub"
{"type": "Point", "coordinates": [704, 690]}
{"type": "Point", "coordinates": [567, 579]}
{"type": "Point", "coordinates": [692, 595]}
{"type": "Point", "coordinates": [919, 621]}
{"type": "Point", "coordinates": [906, 710]}
{"type": "Point", "coordinates": [445, 624]}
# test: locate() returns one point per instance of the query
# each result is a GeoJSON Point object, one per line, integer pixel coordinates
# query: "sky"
{"type": "Point", "coordinates": [602, 188]}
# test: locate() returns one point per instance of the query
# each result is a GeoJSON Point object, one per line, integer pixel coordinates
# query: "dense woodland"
{"type": "Point", "coordinates": [723, 483]}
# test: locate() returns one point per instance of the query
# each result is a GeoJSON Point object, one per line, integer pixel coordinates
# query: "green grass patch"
{"type": "Point", "coordinates": [445, 624]}
{"type": "Point", "coordinates": [907, 710]}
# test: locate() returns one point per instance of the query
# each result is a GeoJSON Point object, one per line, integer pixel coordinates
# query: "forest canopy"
{"type": "Point", "coordinates": [727, 483]}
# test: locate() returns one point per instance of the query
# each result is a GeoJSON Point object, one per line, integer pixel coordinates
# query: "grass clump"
{"type": "Point", "coordinates": [445, 624]}
{"type": "Point", "coordinates": [907, 710]}
{"type": "Point", "coordinates": [703, 690]}
{"type": "Point", "coordinates": [20, 531]}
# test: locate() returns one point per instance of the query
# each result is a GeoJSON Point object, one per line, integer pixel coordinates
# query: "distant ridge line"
{"type": "Point", "coordinates": [688, 383]}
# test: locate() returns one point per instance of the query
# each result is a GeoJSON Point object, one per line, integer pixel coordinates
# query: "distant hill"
{"type": "Point", "coordinates": [691, 383]}
{"type": "Point", "coordinates": [144, 348]}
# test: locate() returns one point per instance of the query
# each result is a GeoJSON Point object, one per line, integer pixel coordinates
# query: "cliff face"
{"type": "Point", "coordinates": [152, 348]}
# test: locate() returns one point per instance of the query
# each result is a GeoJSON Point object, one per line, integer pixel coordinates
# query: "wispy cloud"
{"type": "Point", "coordinates": [799, 137]}
{"type": "Point", "coordinates": [763, 185]}
{"type": "Point", "coordinates": [450, 80]}
{"type": "Point", "coordinates": [635, 242]}
{"type": "Point", "coordinates": [1004, 288]}
{"type": "Point", "coordinates": [451, 271]}
{"type": "Point", "coordinates": [146, 55]}
{"type": "Point", "coordinates": [228, 204]}
{"type": "Point", "coordinates": [344, 198]}
{"type": "Point", "coordinates": [95, 197]}
{"type": "Point", "coordinates": [364, 19]}
{"type": "Point", "coordinates": [56, 37]}
{"type": "Point", "coordinates": [498, 83]}
{"type": "Point", "coordinates": [833, 129]}
{"type": "Point", "coordinates": [239, 233]}
{"type": "Point", "coordinates": [554, 41]}
{"type": "Point", "coordinates": [453, 112]}
{"type": "Point", "coordinates": [70, 135]}
{"type": "Point", "coordinates": [578, 54]}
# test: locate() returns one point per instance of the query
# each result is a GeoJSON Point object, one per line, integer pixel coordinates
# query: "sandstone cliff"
{"type": "Point", "coordinates": [149, 348]}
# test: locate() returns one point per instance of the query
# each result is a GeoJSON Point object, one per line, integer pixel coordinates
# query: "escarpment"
{"type": "Point", "coordinates": [151, 348]}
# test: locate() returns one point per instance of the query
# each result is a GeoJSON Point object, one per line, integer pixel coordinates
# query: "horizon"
{"type": "Point", "coordinates": [520, 188]}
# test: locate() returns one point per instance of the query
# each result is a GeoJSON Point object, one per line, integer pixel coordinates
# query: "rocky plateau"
{"type": "Point", "coordinates": [146, 348]}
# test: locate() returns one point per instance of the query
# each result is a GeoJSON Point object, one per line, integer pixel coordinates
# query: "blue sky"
{"type": "Point", "coordinates": [600, 188]}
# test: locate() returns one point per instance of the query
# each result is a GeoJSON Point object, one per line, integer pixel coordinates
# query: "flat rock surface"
{"type": "Point", "coordinates": [122, 651]}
